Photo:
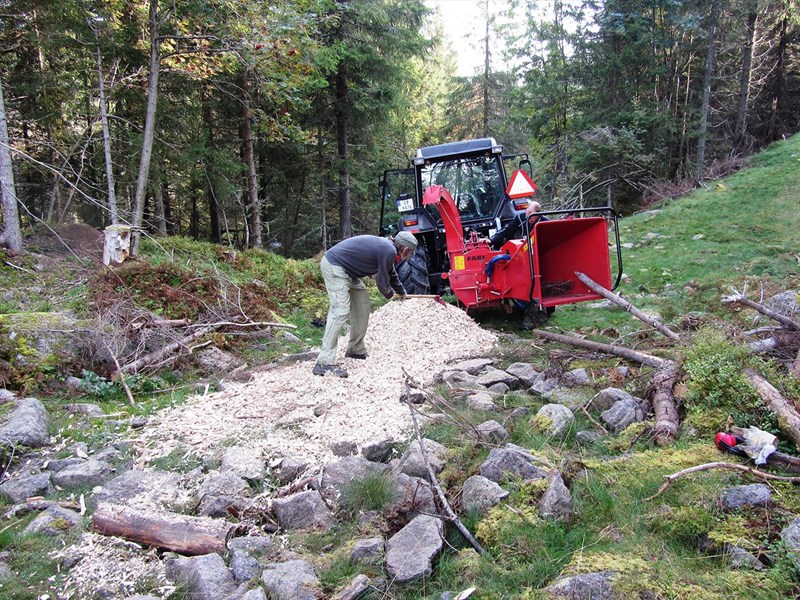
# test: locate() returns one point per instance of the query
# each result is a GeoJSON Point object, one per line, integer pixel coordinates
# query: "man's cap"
{"type": "Point", "coordinates": [404, 238]}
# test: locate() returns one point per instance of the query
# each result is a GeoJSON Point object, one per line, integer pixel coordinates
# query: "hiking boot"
{"type": "Point", "coordinates": [333, 369]}
{"type": "Point", "coordinates": [357, 355]}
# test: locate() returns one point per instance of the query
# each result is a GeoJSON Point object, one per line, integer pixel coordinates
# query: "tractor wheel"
{"type": "Point", "coordinates": [413, 273]}
{"type": "Point", "coordinates": [535, 316]}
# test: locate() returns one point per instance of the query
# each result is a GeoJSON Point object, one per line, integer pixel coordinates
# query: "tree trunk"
{"type": "Point", "coordinates": [253, 205]}
{"type": "Point", "coordinates": [779, 85]}
{"type": "Point", "coordinates": [149, 125]}
{"type": "Point", "coordinates": [112, 195]}
{"type": "Point", "coordinates": [701, 135]}
{"type": "Point", "coordinates": [323, 188]}
{"type": "Point", "coordinates": [158, 209]}
{"type": "Point", "coordinates": [744, 80]}
{"type": "Point", "coordinates": [486, 67]}
{"type": "Point", "coordinates": [784, 410]}
{"type": "Point", "coordinates": [11, 236]}
{"type": "Point", "coordinates": [211, 175]}
{"type": "Point", "coordinates": [345, 217]}
{"type": "Point", "coordinates": [185, 535]}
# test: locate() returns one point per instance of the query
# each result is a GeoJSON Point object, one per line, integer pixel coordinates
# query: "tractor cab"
{"type": "Point", "coordinates": [474, 172]}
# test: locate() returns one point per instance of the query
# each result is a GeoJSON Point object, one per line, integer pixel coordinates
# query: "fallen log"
{"type": "Point", "coordinates": [640, 357]}
{"type": "Point", "coordinates": [620, 301]}
{"type": "Point", "coordinates": [171, 531]}
{"type": "Point", "coordinates": [741, 298]}
{"type": "Point", "coordinates": [788, 417]}
{"type": "Point", "coordinates": [667, 422]}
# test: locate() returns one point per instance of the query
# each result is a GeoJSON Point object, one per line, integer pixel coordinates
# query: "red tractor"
{"type": "Point", "coordinates": [456, 196]}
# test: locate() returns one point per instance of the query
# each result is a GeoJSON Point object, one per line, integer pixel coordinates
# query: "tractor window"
{"type": "Point", "coordinates": [474, 183]}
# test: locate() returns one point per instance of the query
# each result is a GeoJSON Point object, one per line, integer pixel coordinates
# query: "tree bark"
{"type": "Point", "coordinates": [253, 205]}
{"type": "Point", "coordinates": [158, 209]}
{"type": "Point", "coordinates": [779, 85]}
{"type": "Point", "coordinates": [608, 294]}
{"type": "Point", "coordinates": [149, 125]}
{"type": "Point", "coordinates": [744, 79]}
{"type": "Point", "coordinates": [11, 236]}
{"type": "Point", "coordinates": [701, 135]}
{"type": "Point", "coordinates": [788, 417]}
{"type": "Point", "coordinates": [211, 176]}
{"type": "Point", "coordinates": [112, 195]}
{"type": "Point", "coordinates": [171, 531]}
{"type": "Point", "coordinates": [640, 357]}
{"type": "Point", "coordinates": [667, 423]}
{"type": "Point", "coordinates": [345, 216]}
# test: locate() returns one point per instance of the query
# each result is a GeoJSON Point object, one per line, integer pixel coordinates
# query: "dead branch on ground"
{"type": "Point", "coordinates": [788, 417]}
{"type": "Point", "coordinates": [741, 298]}
{"type": "Point", "coordinates": [640, 357]}
{"type": "Point", "coordinates": [721, 465]}
{"type": "Point", "coordinates": [157, 355]}
{"type": "Point", "coordinates": [434, 482]}
{"type": "Point", "coordinates": [620, 301]}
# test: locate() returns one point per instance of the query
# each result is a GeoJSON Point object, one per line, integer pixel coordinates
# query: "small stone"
{"type": "Point", "coordinates": [344, 448]}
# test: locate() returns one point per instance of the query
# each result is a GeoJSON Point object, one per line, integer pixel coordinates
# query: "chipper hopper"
{"type": "Point", "coordinates": [540, 268]}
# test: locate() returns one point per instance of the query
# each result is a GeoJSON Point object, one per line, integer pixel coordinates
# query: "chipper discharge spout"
{"type": "Point", "coordinates": [540, 267]}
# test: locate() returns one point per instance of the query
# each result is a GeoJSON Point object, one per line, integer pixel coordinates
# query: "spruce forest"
{"type": "Point", "coordinates": [266, 123]}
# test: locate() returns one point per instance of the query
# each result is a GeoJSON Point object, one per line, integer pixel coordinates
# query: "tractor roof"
{"type": "Point", "coordinates": [457, 148]}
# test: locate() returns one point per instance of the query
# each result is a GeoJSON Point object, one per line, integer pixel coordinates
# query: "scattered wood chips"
{"type": "Point", "coordinates": [275, 410]}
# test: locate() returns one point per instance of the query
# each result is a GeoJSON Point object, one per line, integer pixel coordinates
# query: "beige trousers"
{"type": "Point", "coordinates": [348, 298]}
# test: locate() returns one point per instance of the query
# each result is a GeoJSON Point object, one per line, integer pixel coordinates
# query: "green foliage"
{"type": "Point", "coordinates": [716, 380]}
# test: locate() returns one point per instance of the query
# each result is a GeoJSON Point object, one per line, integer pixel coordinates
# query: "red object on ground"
{"type": "Point", "coordinates": [723, 441]}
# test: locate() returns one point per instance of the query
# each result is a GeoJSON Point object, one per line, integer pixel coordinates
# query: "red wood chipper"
{"type": "Point", "coordinates": [538, 269]}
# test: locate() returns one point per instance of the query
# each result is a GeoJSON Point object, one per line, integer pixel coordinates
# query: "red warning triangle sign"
{"type": "Point", "coordinates": [521, 185]}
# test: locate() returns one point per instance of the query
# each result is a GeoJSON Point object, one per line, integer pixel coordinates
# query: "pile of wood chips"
{"type": "Point", "coordinates": [274, 412]}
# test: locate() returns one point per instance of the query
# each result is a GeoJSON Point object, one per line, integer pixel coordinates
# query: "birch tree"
{"type": "Point", "coordinates": [11, 236]}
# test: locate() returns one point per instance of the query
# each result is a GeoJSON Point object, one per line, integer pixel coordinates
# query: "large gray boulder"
{"type": "Point", "coordinates": [357, 587]}
{"type": "Point", "coordinates": [27, 425]}
{"type": "Point", "coordinates": [790, 536]}
{"type": "Point", "coordinates": [525, 372]}
{"type": "Point", "coordinates": [480, 494]}
{"type": "Point", "coordinates": [340, 474]}
{"type": "Point", "coordinates": [588, 586]}
{"type": "Point", "coordinates": [510, 461]}
{"type": "Point", "coordinates": [410, 552]}
{"type": "Point", "coordinates": [482, 401]}
{"type": "Point", "coordinates": [413, 463]}
{"type": "Point", "coordinates": [556, 502]}
{"type": "Point", "coordinates": [134, 488]}
{"type": "Point", "coordinates": [494, 376]}
{"type": "Point", "coordinates": [605, 398]}
{"type": "Point", "coordinates": [84, 474]}
{"type": "Point", "coordinates": [291, 580]}
{"type": "Point", "coordinates": [491, 432]}
{"type": "Point", "coordinates": [220, 491]}
{"type": "Point", "coordinates": [368, 550]}
{"type": "Point", "coordinates": [247, 463]}
{"type": "Point", "coordinates": [24, 486]}
{"type": "Point", "coordinates": [473, 366]}
{"type": "Point", "coordinates": [410, 496]}
{"type": "Point", "coordinates": [755, 494]}
{"type": "Point", "coordinates": [622, 414]}
{"type": "Point", "coordinates": [206, 577]}
{"type": "Point", "coordinates": [304, 510]}
{"type": "Point", "coordinates": [54, 521]}
{"type": "Point", "coordinates": [554, 419]}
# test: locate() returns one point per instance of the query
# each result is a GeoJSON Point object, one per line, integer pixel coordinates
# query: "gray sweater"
{"type": "Point", "coordinates": [365, 255]}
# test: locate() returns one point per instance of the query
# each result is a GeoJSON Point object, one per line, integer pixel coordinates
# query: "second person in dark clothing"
{"type": "Point", "coordinates": [342, 268]}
